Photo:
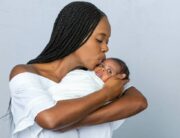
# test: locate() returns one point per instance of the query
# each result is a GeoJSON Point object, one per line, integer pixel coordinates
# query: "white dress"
{"type": "Point", "coordinates": [29, 96]}
{"type": "Point", "coordinates": [79, 83]}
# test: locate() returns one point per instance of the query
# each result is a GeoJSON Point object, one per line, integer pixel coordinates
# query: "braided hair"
{"type": "Point", "coordinates": [72, 28]}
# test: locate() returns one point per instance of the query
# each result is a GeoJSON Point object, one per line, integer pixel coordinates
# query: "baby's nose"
{"type": "Point", "coordinates": [103, 69]}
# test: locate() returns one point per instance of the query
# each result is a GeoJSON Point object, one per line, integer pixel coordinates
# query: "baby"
{"type": "Point", "coordinates": [111, 67]}
{"type": "Point", "coordinates": [78, 83]}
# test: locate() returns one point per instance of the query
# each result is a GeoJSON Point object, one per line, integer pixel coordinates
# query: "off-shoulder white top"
{"type": "Point", "coordinates": [29, 96]}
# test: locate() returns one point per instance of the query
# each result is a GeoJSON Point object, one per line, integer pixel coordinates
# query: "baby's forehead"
{"type": "Point", "coordinates": [108, 61]}
{"type": "Point", "coordinates": [113, 64]}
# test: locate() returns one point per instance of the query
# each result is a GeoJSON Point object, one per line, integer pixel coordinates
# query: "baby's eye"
{"type": "Point", "coordinates": [109, 71]}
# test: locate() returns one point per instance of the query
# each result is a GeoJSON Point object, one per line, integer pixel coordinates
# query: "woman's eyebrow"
{"type": "Point", "coordinates": [103, 34]}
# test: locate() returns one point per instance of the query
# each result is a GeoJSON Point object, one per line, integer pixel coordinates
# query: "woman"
{"type": "Point", "coordinates": [79, 40]}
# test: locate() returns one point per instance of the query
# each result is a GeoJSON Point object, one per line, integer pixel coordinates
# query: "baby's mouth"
{"type": "Point", "coordinates": [99, 74]}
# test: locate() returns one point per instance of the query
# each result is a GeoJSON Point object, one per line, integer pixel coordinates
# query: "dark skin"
{"type": "Point", "coordinates": [89, 110]}
{"type": "Point", "coordinates": [102, 115]}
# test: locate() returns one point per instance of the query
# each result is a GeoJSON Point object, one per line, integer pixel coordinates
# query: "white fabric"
{"type": "Point", "coordinates": [32, 93]}
{"type": "Point", "coordinates": [29, 96]}
{"type": "Point", "coordinates": [79, 83]}
{"type": "Point", "coordinates": [76, 84]}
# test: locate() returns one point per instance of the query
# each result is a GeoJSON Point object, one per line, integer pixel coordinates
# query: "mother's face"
{"type": "Point", "coordinates": [93, 51]}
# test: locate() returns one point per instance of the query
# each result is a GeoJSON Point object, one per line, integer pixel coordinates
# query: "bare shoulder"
{"type": "Point", "coordinates": [19, 69]}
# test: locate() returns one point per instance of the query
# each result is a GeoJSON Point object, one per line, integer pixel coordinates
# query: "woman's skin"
{"type": "Point", "coordinates": [120, 108]}
{"type": "Point", "coordinates": [90, 54]}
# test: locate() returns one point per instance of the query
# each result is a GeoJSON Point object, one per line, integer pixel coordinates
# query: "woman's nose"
{"type": "Point", "coordinates": [105, 48]}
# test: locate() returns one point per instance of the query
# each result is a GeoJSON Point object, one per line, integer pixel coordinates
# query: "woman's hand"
{"type": "Point", "coordinates": [115, 86]}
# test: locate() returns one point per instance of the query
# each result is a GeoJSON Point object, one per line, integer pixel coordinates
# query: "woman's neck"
{"type": "Point", "coordinates": [57, 69]}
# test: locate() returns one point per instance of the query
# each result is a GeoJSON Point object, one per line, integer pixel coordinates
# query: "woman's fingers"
{"type": "Point", "coordinates": [115, 85]}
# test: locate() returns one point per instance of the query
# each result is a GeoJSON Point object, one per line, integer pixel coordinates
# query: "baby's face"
{"type": "Point", "coordinates": [107, 69]}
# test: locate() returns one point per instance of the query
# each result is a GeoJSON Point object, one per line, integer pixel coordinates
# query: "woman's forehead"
{"type": "Point", "coordinates": [103, 28]}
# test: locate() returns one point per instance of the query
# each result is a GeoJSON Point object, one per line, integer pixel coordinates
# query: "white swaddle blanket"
{"type": "Point", "coordinates": [79, 83]}
{"type": "Point", "coordinates": [76, 84]}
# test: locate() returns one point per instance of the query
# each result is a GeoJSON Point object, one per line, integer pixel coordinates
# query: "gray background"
{"type": "Point", "coordinates": [145, 34]}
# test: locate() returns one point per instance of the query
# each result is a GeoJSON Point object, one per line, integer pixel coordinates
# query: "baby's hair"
{"type": "Point", "coordinates": [124, 68]}
{"type": "Point", "coordinates": [72, 28]}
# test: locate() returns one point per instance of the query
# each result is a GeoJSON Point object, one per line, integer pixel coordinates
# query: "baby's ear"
{"type": "Point", "coordinates": [121, 76]}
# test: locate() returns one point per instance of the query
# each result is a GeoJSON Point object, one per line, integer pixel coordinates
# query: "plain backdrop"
{"type": "Point", "coordinates": [145, 34]}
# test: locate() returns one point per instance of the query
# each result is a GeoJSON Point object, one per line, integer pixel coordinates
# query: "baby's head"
{"type": "Point", "coordinates": [111, 67]}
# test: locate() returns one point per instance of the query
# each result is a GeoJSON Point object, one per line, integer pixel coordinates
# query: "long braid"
{"type": "Point", "coordinates": [72, 28]}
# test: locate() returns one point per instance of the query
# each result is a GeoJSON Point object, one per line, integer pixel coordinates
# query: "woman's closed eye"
{"type": "Point", "coordinates": [99, 41]}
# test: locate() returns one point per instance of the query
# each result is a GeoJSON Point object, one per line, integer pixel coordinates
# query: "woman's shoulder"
{"type": "Point", "coordinates": [21, 68]}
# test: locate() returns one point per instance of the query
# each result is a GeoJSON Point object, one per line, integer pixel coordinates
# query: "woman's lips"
{"type": "Point", "coordinates": [100, 61]}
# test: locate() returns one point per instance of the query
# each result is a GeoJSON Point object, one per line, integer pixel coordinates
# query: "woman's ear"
{"type": "Point", "coordinates": [121, 76]}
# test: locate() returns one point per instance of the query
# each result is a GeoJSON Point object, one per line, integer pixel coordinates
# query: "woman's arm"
{"type": "Point", "coordinates": [131, 103]}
